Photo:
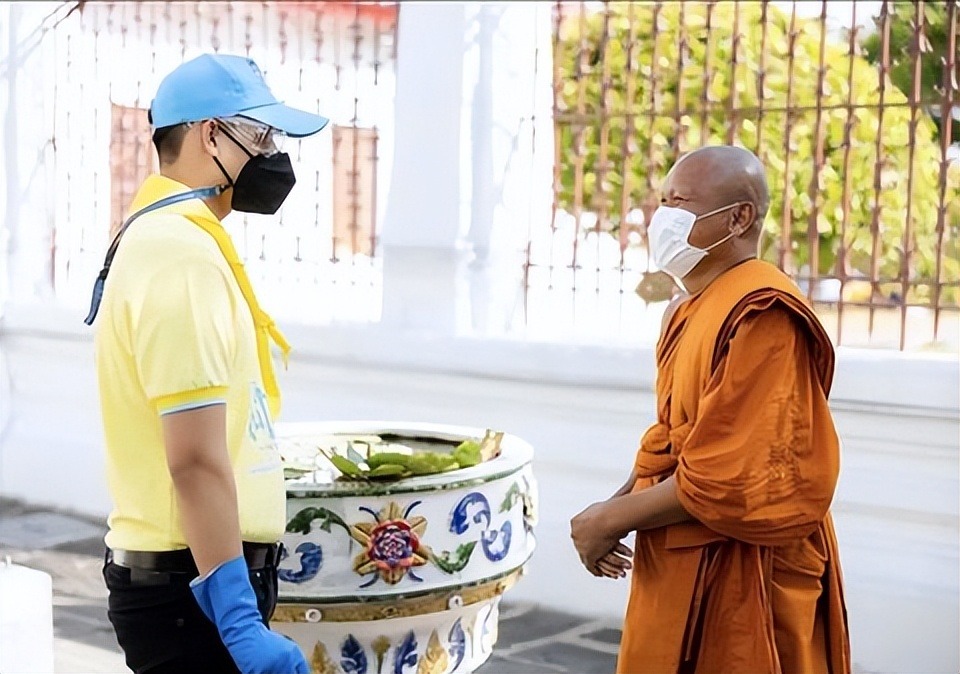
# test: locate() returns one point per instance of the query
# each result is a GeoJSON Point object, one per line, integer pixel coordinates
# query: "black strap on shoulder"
{"type": "Point", "coordinates": [98, 285]}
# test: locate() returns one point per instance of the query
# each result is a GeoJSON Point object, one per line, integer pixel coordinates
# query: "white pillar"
{"type": "Point", "coordinates": [9, 187]}
{"type": "Point", "coordinates": [27, 228]}
{"type": "Point", "coordinates": [473, 80]}
{"type": "Point", "coordinates": [509, 82]}
{"type": "Point", "coordinates": [424, 249]}
{"type": "Point", "coordinates": [9, 62]}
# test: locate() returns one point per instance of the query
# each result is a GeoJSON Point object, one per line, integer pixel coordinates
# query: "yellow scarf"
{"type": "Point", "coordinates": [156, 187]}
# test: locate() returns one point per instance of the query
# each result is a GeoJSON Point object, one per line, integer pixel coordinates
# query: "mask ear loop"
{"type": "Point", "coordinates": [226, 133]}
{"type": "Point", "coordinates": [729, 236]}
{"type": "Point", "coordinates": [223, 171]}
{"type": "Point", "coordinates": [223, 128]}
{"type": "Point", "coordinates": [721, 241]}
{"type": "Point", "coordinates": [721, 209]}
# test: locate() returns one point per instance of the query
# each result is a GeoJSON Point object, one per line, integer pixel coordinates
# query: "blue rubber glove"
{"type": "Point", "coordinates": [227, 599]}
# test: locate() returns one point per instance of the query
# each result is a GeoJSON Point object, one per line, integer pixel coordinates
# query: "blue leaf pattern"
{"type": "Point", "coordinates": [496, 544]}
{"type": "Point", "coordinates": [353, 660]}
{"type": "Point", "coordinates": [459, 521]}
{"type": "Point", "coordinates": [458, 644]}
{"type": "Point", "coordinates": [406, 655]}
{"type": "Point", "coordinates": [311, 559]}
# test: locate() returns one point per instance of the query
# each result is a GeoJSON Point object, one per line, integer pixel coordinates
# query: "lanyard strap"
{"type": "Point", "coordinates": [201, 193]}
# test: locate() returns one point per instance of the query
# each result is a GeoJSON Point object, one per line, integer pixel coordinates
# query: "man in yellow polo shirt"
{"type": "Point", "coordinates": [187, 387]}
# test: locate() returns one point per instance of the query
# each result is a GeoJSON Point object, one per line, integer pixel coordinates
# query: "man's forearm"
{"type": "Point", "coordinates": [627, 486]}
{"type": "Point", "coordinates": [207, 497]}
{"type": "Point", "coordinates": [655, 507]}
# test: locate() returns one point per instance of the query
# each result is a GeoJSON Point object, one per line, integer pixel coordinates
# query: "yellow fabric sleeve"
{"type": "Point", "coordinates": [184, 336]}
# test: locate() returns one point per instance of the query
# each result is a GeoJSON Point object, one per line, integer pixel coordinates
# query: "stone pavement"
{"type": "Point", "coordinates": [532, 640]}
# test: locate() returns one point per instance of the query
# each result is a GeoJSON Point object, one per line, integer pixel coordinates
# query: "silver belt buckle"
{"type": "Point", "coordinates": [119, 557]}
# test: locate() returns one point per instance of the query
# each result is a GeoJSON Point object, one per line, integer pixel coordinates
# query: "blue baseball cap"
{"type": "Point", "coordinates": [223, 85]}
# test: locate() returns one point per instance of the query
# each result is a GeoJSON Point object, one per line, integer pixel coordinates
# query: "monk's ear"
{"type": "Point", "coordinates": [744, 216]}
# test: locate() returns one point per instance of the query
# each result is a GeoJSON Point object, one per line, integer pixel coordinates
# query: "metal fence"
{"type": "Point", "coordinates": [104, 60]}
{"type": "Point", "coordinates": [854, 116]}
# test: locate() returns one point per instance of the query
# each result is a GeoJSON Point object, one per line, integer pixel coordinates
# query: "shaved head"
{"type": "Point", "coordinates": [726, 189]}
{"type": "Point", "coordinates": [730, 173]}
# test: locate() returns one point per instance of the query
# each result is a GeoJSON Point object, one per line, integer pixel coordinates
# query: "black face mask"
{"type": "Point", "coordinates": [262, 184]}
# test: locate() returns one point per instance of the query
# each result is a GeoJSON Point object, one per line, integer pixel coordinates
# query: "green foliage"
{"type": "Point", "coordinates": [467, 453]}
{"type": "Point", "coordinates": [933, 52]}
{"type": "Point", "coordinates": [454, 562]}
{"type": "Point", "coordinates": [513, 496]}
{"type": "Point", "coordinates": [303, 521]}
{"type": "Point", "coordinates": [712, 99]}
{"type": "Point", "coordinates": [395, 465]}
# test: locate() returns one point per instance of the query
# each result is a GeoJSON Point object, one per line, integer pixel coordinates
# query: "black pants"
{"type": "Point", "coordinates": [160, 626]}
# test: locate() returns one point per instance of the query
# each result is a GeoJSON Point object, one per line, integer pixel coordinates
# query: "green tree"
{"type": "Point", "coordinates": [933, 50]}
{"type": "Point", "coordinates": [622, 124]}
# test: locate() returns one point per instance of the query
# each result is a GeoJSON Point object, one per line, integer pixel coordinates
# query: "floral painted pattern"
{"type": "Point", "coordinates": [353, 659]}
{"type": "Point", "coordinates": [405, 658]}
{"type": "Point", "coordinates": [474, 508]}
{"type": "Point", "coordinates": [391, 544]}
{"type": "Point", "coordinates": [311, 560]}
{"type": "Point", "coordinates": [496, 543]}
{"type": "Point", "coordinates": [458, 644]}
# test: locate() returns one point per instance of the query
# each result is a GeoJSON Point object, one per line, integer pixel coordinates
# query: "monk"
{"type": "Point", "coordinates": [735, 567]}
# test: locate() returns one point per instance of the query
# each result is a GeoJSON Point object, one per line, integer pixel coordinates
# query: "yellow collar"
{"type": "Point", "coordinates": [156, 187]}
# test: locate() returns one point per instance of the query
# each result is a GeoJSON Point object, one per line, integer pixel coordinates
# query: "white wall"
{"type": "Point", "coordinates": [583, 409]}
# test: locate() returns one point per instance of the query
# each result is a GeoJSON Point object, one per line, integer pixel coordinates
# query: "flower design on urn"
{"type": "Point", "coordinates": [391, 544]}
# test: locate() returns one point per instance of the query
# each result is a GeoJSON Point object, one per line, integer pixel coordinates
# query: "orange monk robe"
{"type": "Point", "coordinates": [754, 585]}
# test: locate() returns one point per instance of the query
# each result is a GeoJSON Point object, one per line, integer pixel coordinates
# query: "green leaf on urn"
{"type": "Point", "coordinates": [344, 465]}
{"type": "Point", "coordinates": [353, 455]}
{"type": "Point", "coordinates": [388, 470]}
{"type": "Point", "coordinates": [467, 453]}
{"type": "Point", "coordinates": [454, 562]}
{"type": "Point", "coordinates": [303, 521]}
{"type": "Point", "coordinates": [512, 497]}
{"type": "Point", "coordinates": [384, 458]}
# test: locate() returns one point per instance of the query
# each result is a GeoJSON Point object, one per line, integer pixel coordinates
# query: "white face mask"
{"type": "Point", "coordinates": [669, 234]}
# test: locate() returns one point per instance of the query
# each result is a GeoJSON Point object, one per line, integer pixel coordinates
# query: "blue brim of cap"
{"type": "Point", "coordinates": [295, 123]}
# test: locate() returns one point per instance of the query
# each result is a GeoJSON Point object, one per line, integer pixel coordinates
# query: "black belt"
{"type": "Point", "coordinates": [257, 556]}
